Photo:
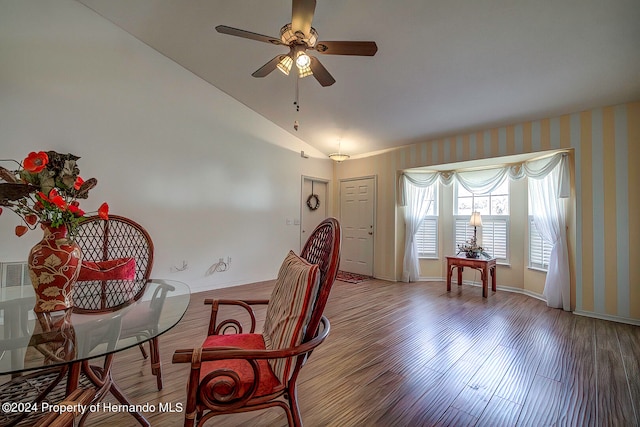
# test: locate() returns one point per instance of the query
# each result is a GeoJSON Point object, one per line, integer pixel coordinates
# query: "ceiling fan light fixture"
{"type": "Point", "coordinates": [304, 72]}
{"type": "Point", "coordinates": [285, 64]}
{"type": "Point", "coordinates": [302, 60]}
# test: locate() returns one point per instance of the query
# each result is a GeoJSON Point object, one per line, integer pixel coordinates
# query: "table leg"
{"type": "Point", "coordinates": [449, 273]}
{"type": "Point", "coordinates": [493, 278]}
{"type": "Point", "coordinates": [485, 282]}
{"type": "Point", "coordinates": [460, 269]}
{"type": "Point", "coordinates": [73, 378]}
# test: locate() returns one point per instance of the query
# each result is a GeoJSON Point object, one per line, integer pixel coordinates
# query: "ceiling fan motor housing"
{"type": "Point", "coordinates": [289, 37]}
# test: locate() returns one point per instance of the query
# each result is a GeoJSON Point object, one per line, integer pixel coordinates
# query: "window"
{"type": "Point", "coordinates": [539, 249]}
{"type": "Point", "coordinates": [427, 235]}
{"type": "Point", "coordinates": [493, 236]}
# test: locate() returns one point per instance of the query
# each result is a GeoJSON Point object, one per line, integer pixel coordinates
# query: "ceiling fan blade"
{"type": "Point", "coordinates": [247, 34]}
{"type": "Point", "coordinates": [268, 67]}
{"type": "Point", "coordinates": [302, 15]}
{"type": "Point", "coordinates": [320, 73]}
{"type": "Point", "coordinates": [347, 48]}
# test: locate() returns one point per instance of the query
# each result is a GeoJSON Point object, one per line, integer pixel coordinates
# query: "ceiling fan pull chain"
{"type": "Point", "coordinates": [297, 104]}
{"type": "Point", "coordinates": [297, 101]}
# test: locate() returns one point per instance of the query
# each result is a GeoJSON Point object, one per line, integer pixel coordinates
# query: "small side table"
{"type": "Point", "coordinates": [486, 266]}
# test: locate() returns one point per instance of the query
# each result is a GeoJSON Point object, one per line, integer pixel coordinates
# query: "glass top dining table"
{"type": "Point", "coordinates": [31, 341]}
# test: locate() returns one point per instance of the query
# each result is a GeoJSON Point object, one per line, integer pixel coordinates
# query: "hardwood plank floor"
{"type": "Point", "coordinates": [414, 355]}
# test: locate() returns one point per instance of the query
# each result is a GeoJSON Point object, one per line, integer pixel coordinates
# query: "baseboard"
{"type": "Point", "coordinates": [498, 287]}
{"type": "Point", "coordinates": [618, 319]}
{"type": "Point", "coordinates": [430, 279]}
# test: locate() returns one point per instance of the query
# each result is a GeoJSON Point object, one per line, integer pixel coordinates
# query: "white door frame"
{"type": "Point", "coordinates": [375, 209]}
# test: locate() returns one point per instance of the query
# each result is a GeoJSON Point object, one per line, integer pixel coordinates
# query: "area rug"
{"type": "Point", "coordinates": [345, 276]}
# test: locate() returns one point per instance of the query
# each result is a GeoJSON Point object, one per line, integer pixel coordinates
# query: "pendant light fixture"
{"type": "Point", "coordinates": [339, 156]}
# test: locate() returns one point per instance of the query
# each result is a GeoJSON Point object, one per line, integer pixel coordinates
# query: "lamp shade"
{"type": "Point", "coordinates": [476, 220]}
{"type": "Point", "coordinates": [285, 64]}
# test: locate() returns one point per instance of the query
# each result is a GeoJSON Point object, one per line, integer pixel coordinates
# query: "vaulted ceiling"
{"type": "Point", "coordinates": [442, 67]}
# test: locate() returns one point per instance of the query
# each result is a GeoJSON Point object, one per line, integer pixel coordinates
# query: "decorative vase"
{"type": "Point", "coordinates": [54, 264]}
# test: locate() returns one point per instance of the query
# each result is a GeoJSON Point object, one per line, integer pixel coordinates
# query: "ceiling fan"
{"type": "Point", "coordinates": [300, 36]}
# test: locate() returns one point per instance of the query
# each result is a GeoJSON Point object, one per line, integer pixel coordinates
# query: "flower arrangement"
{"type": "Point", "coordinates": [45, 189]}
{"type": "Point", "coordinates": [472, 249]}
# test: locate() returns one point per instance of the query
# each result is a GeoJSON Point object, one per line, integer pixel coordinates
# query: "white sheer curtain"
{"type": "Point", "coordinates": [549, 214]}
{"type": "Point", "coordinates": [417, 200]}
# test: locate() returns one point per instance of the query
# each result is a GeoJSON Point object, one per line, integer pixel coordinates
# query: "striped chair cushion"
{"type": "Point", "coordinates": [290, 309]}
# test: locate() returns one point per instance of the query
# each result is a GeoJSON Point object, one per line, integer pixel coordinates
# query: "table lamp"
{"type": "Point", "coordinates": [476, 221]}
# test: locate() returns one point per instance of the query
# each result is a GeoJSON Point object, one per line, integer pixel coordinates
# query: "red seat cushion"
{"type": "Point", "coordinates": [267, 381]}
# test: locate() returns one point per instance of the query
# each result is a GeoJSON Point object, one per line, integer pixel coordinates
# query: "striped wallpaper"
{"type": "Point", "coordinates": [606, 143]}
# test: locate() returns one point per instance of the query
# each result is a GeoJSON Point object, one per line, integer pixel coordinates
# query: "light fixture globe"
{"type": "Point", "coordinates": [303, 60]}
{"type": "Point", "coordinates": [339, 157]}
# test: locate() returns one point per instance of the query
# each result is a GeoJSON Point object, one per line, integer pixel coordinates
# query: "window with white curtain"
{"type": "Point", "coordinates": [493, 236]}
{"type": "Point", "coordinates": [539, 250]}
{"type": "Point", "coordinates": [427, 236]}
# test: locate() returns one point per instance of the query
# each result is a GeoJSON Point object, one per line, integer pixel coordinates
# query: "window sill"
{"type": "Point", "coordinates": [538, 269]}
{"type": "Point", "coordinates": [431, 258]}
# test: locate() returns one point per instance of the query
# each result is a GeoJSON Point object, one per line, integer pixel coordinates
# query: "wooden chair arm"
{"type": "Point", "coordinates": [221, 353]}
{"type": "Point", "coordinates": [220, 327]}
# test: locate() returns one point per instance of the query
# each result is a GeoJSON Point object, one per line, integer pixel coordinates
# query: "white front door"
{"type": "Point", "coordinates": [312, 217]}
{"type": "Point", "coordinates": [357, 204]}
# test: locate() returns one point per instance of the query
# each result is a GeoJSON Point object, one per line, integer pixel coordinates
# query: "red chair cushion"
{"type": "Point", "coordinates": [113, 269]}
{"type": "Point", "coordinates": [290, 308]}
{"type": "Point", "coordinates": [267, 381]}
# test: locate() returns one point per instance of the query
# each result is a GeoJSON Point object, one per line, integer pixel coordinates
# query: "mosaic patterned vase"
{"type": "Point", "coordinates": [54, 264]}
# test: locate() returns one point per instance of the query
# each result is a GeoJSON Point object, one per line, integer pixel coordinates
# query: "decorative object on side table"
{"type": "Point", "coordinates": [45, 190]}
{"type": "Point", "coordinates": [471, 247]}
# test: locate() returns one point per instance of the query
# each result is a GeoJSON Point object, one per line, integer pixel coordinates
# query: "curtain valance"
{"type": "Point", "coordinates": [487, 180]}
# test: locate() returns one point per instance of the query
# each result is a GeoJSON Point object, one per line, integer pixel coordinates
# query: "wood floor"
{"type": "Point", "coordinates": [414, 355]}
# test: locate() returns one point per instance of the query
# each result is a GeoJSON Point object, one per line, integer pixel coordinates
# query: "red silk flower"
{"type": "Point", "coordinates": [74, 209]}
{"type": "Point", "coordinates": [78, 183]}
{"type": "Point", "coordinates": [35, 162]}
{"type": "Point", "coordinates": [103, 211]}
{"type": "Point", "coordinates": [59, 202]}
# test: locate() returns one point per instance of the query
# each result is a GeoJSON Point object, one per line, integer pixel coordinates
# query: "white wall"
{"type": "Point", "coordinates": [206, 176]}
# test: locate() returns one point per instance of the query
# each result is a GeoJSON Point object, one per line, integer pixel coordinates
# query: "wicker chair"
{"type": "Point", "coordinates": [116, 238]}
{"type": "Point", "coordinates": [245, 371]}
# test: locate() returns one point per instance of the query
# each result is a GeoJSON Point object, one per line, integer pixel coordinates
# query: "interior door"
{"type": "Point", "coordinates": [357, 206]}
{"type": "Point", "coordinates": [311, 217]}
